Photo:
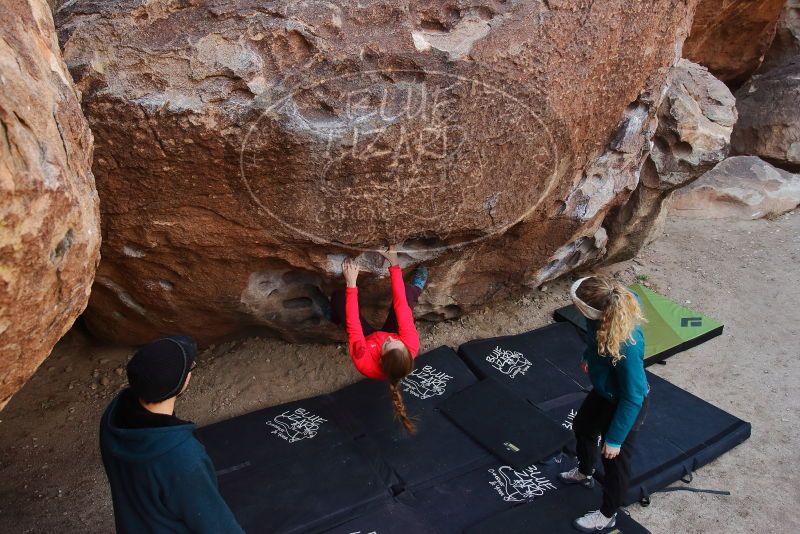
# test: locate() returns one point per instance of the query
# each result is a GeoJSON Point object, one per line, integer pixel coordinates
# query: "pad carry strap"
{"type": "Point", "coordinates": [694, 490]}
{"type": "Point", "coordinates": [686, 479]}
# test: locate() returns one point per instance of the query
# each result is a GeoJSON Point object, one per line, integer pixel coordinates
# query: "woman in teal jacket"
{"type": "Point", "coordinates": [612, 413]}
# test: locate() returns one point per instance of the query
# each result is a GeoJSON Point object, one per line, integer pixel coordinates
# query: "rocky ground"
{"type": "Point", "coordinates": [742, 272]}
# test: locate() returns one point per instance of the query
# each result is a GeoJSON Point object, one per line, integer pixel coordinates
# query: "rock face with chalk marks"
{"type": "Point", "coordinates": [50, 235]}
{"type": "Point", "coordinates": [244, 148]}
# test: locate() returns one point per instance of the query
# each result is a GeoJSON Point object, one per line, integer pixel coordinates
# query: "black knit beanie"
{"type": "Point", "coordinates": [158, 371]}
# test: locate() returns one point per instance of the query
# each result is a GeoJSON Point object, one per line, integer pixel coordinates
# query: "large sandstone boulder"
{"type": "Point", "coordinates": [50, 234]}
{"type": "Point", "coordinates": [769, 116]}
{"type": "Point", "coordinates": [745, 187]}
{"type": "Point", "coordinates": [695, 121]}
{"type": "Point", "coordinates": [730, 37]}
{"type": "Point", "coordinates": [786, 45]}
{"type": "Point", "coordinates": [243, 149]}
{"type": "Point", "coordinates": [605, 183]}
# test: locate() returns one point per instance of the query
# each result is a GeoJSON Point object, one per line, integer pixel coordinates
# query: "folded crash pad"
{"type": "Point", "coordinates": [392, 518]}
{"type": "Point", "coordinates": [670, 327]}
{"type": "Point", "coordinates": [458, 503]}
{"type": "Point", "coordinates": [340, 461]}
{"type": "Point", "coordinates": [437, 375]}
{"type": "Point", "coordinates": [292, 468]}
{"type": "Point", "coordinates": [553, 514]}
{"type": "Point", "coordinates": [438, 449]}
{"type": "Point", "coordinates": [507, 425]}
{"type": "Point", "coordinates": [462, 501]}
{"type": "Point", "coordinates": [290, 429]}
{"type": "Point", "coordinates": [680, 433]}
{"type": "Point", "coordinates": [563, 410]}
{"type": "Point", "coordinates": [531, 364]}
{"type": "Point", "coordinates": [310, 464]}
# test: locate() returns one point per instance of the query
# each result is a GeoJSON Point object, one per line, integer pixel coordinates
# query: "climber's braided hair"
{"type": "Point", "coordinates": [621, 313]}
{"type": "Point", "coordinates": [397, 364]}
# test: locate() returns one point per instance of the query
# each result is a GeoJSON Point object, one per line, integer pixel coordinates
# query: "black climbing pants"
{"type": "Point", "coordinates": [590, 425]}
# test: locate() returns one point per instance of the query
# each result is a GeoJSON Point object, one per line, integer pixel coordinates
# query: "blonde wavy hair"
{"type": "Point", "coordinates": [621, 313]}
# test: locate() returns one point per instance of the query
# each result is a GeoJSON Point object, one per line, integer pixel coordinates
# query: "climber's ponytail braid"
{"type": "Point", "coordinates": [400, 408]}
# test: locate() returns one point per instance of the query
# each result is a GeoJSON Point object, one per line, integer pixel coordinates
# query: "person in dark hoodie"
{"type": "Point", "coordinates": [162, 480]}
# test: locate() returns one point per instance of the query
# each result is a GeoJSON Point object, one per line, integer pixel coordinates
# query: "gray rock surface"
{"type": "Point", "coordinates": [786, 45]}
{"type": "Point", "coordinates": [769, 116]}
{"type": "Point", "coordinates": [695, 121]}
{"type": "Point", "coordinates": [745, 187]}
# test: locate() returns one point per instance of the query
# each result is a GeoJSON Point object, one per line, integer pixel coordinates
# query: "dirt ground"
{"type": "Point", "coordinates": [744, 273]}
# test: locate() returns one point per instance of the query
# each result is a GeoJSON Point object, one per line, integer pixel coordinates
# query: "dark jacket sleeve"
{"type": "Point", "coordinates": [633, 389]}
{"type": "Point", "coordinates": [195, 498]}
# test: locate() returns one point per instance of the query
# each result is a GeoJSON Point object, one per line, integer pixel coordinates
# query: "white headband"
{"type": "Point", "coordinates": [586, 310]}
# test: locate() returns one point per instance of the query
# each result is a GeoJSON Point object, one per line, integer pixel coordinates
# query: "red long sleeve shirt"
{"type": "Point", "coordinates": [366, 351]}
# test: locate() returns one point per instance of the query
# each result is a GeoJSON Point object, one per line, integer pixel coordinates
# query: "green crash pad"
{"type": "Point", "coordinates": [670, 327]}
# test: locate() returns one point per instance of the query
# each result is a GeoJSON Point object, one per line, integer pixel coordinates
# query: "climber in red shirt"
{"type": "Point", "coordinates": [388, 353]}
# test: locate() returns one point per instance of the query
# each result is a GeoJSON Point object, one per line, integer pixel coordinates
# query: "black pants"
{"type": "Point", "coordinates": [389, 325]}
{"type": "Point", "coordinates": [590, 425]}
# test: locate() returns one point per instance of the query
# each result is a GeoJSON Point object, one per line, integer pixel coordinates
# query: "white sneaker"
{"type": "Point", "coordinates": [574, 476]}
{"type": "Point", "coordinates": [595, 522]}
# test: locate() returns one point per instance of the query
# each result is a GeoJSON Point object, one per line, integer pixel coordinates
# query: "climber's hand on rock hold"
{"type": "Point", "coordinates": [350, 272]}
{"type": "Point", "coordinates": [390, 254]}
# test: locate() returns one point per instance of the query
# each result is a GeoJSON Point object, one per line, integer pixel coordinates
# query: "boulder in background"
{"type": "Point", "coordinates": [785, 46]}
{"type": "Point", "coordinates": [769, 116]}
{"type": "Point", "coordinates": [50, 233]}
{"type": "Point", "coordinates": [745, 187]}
{"type": "Point", "coordinates": [695, 121]}
{"type": "Point", "coordinates": [730, 37]}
